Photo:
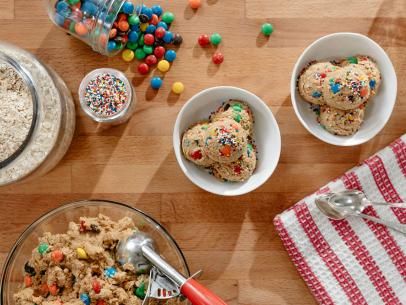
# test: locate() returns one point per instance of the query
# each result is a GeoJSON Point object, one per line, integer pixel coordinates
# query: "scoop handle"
{"type": "Point", "coordinates": [200, 295]}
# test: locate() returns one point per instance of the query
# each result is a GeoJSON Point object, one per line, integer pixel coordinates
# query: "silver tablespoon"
{"type": "Point", "coordinates": [358, 200]}
{"type": "Point", "coordinates": [340, 212]}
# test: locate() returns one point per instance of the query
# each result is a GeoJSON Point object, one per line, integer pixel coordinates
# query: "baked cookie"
{"type": "Point", "coordinates": [193, 147]}
{"type": "Point", "coordinates": [339, 122]}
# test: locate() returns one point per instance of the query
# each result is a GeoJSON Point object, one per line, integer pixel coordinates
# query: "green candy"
{"type": "Point", "coordinates": [148, 49]}
{"type": "Point", "coordinates": [168, 17]}
{"type": "Point", "coordinates": [73, 2]}
{"type": "Point", "coordinates": [215, 39]}
{"type": "Point", "coordinates": [352, 60]}
{"type": "Point", "coordinates": [43, 248]}
{"type": "Point", "coordinates": [133, 20]}
{"type": "Point", "coordinates": [72, 27]}
{"type": "Point", "coordinates": [139, 53]}
{"type": "Point", "coordinates": [132, 45]}
{"type": "Point", "coordinates": [141, 40]}
{"type": "Point", "coordinates": [237, 107]}
{"type": "Point", "coordinates": [237, 117]}
{"type": "Point", "coordinates": [267, 29]}
{"type": "Point", "coordinates": [140, 291]}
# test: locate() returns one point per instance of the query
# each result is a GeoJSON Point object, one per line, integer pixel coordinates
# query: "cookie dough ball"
{"type": "Point", "coordinates": [239, 170]}
{"type": "Point", "coordinates": [346, 88]}
{"type": "Point", "coordinates": [225, 141]}
{"type": "Point", "coordinates": [339, 122]}
{"type": "Point", "coordinates": [237, 111]}
{"type": "Point", "coordinates": [193, 145]}
{"type": "Point", "coordinates": [311, 81]}
{"type": "Point", "coordinates": [369, 67]}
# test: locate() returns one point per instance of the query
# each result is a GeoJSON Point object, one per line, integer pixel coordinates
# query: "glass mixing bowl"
{"type": "Point", "coordinates": [57, 220]}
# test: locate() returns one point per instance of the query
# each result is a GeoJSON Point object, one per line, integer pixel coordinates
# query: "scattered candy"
{"type": "Point", "coordinates": [81, 253]}
{"type": "Point", "coordinates": [57, 256]}
{"type": "Point", "coordinates": [168, 17]}
{"type": "Point", "coordinates": [43, 248]}
{"type": "Point", "coordinates": [154, 20]}
{"type": "Point", "coordinates": [159, 51]}
{"type": "Point", "coordinates": [157, 10]}
{"type": "Point", "coordinates": [27, 281]}
{"type": "Point", "coordinates": [84, 297]}
{"type": "Point", "coordinates": [156, 83]}
{"type": "Point", "coordinates": [140, 291]}
{"type": "Point", "coordinates": [96, 286]}
{"type": "Point", "coordinates": [128, 55]}
{"type": "Point", "coordinates": [44, 289]}
{"type": "Point", "coordinates": [194, 4]}
{"type": "Point", "coordinates": [101, 302]}
{"type": "Point", "coordinates": [163, 66]}
{"type": "Point", "coordinates": [140, 54]}
{"type": "Point", "coordinates": [132, 45]}
{"type": "Point", "coordinates": [217, 58]}
{"type": "Point", "coordinates": [151, 60]}
{"type": "Point", "coordinates": [133, 20]}
{"type": "Point", "coordinates": [160, 32]}
{"type": "Point", "coordinates": [168, 37]}
{"type": "Point", "coordinates": [81, 29]}
{"type": "Point", "coordinates": [267, 29]}
{"type": "Point", "coordinates": [177, 39]}
{"type": "Point", "coordinates": [163, 25]}
{"type": "Point", "coordinates": [143, 69]}
{"type": "Point", "coordinates": [132, 36]}
{"type": "Point", "coordinates": [149, 39]}
{"type": "Point", "coordinates": [53, 289]}
{"type": "Point", "coordinates": [148, 49]}
{"type": "Point", "coordinates": [143, 27]}
{"type": "Point", "coordinates": [128, 7]}
{"type": "Point", "coordinates": [150, 29]}
{"type": "Point", "coordinates": [110, 272]}
{"type": "Point", "coordinates": [203, 40]}
{"type": "Point", "coordinates": [170, 55]}
{"type": "Point", "coordinates": [178, 87]}
{"type": "Point", "coordinates": [215, 39]}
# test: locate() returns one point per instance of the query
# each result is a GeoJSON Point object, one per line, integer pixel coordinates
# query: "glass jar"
{"type": "Point", "coordinates": [92, 21]}
{"type": "Point", "coordinates": [53, 118]}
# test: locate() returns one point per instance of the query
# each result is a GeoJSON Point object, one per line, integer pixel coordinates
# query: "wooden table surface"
{"type": "Point", "coordinates": [232, 239]}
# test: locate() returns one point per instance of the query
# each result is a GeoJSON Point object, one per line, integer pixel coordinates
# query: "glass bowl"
{"type": "Point", "coordinates": [57, 220]}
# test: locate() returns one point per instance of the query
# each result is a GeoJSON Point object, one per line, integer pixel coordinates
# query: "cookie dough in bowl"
{"type": "Point", "coordinates": [237, 111]}
{"type": "Point", "coordinates": [193, 145]}
{"type": "Point", "coordinates": [339, 122]}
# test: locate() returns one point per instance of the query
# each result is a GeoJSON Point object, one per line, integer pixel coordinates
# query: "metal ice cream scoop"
{"type": "Point", "coordinates": [166, 282]}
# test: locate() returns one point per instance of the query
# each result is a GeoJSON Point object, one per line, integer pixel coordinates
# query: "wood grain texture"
{"type": "Point", "coordinates": [232, 239]}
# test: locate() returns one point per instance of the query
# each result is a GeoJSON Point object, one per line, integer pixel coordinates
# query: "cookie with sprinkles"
{"type": "Point", "coordinates": [310, 82]}
{"type": "Point", "coordinates": [237, 171]}
{"type": "Point", "coordinates": [225, 141]}
{"type": "Point", "coordinates": [237, 111]}
{"type": "Point", "coordinates": [339, 122]}
{"type": "Point", "coordinates": [346, 88]}
{"type": "Point", "coordinates": [193, 147]}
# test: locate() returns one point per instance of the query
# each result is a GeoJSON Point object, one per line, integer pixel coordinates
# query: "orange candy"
{"type": "Point", "coordinates": [44, 289]}
{"type": "Point", "coordinates": [123, 26]}
{"type": "Point", "coordinates": [226, 150]}
{"type": "Point", "coordinates": [53, 289]}
{"type": "Point", "coordinates": [194, 4]}
{"type": "Point", "coordinates": [81, 29]}
{"type": "Point", "coordinates": [364, 91]}
{"type": "Point", "coordinates": [27, 281]}
{"type": "Point", "coordinates": [57, 256]}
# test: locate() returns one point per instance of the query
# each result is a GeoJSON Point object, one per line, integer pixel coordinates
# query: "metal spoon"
{"type": "Point", "coordinates": [139, 250]}
{"type": "Point", "coordinates": [358, 200]}
{"type": "Point", "coordinates": [337, 212]}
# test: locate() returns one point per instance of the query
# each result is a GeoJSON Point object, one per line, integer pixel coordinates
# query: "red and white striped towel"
{"type": "Point", "coordinates": [353, 261]}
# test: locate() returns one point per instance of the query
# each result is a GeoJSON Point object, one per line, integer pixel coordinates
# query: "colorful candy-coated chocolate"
{"type": "Point", "coordinates": [170, 55]}
{"type": "Point", "coordinates": [140, 291]}
{"type": "Point", "coordinates": [150, 29]}
{"type": "Point", "coordinates": [149, 39]}
{"type": "Point", "coordinates": [139, 53]}
{"type": "Point", "coordinates": [163, 25]}
{"type": "Point", "coordinates": [133, 20]}
{"type": "Point", "coordinates": [159, 52]}
{"type": "Point", "coordinates": [81, 29]}
{"type": "Point", "coordinates": [143, 18]}
{"type": "Point", "coordinates": [143, 27]}
{"type": "Point", "coordinates": [43, 248]}
{"type": "Point", "coordinates": [128, 7]}
{"type": "Point", "coordinates": [147, 12]}
{"type": "Point", "coordinates": [154, 20]}
{"type": "Point", "coordinates": [178, 88]}
{"type": "Point", "coordinates": [81, 253]}
{"type": "Point", "coordinates": [195, 4]}
{"type": "Point", "coordinates": [128, 55]}
{"type": "Point", "coordinates": [168, 37]}
{"type": "Point", "coordinates": [203, 40]}
{"type": "Point", "coordinates": [215, 39]}
{"type": "Point", "coordinates": [168, 17]}
{"type": "Point", "coordinates": [143, 69]}
{"type": "Point", "coordinates": [111, 46]}
{"type": "Point", "coordinates": [160, 32]}
{"type": "Point", "coordinates": [57, 256]}
{"type": "Point", "coordinates": [27, 281]}
{"type": "Point", "coordinates": [101, 302]}
{"type": "Point", "coordinates": [61, 6]}
{"type": "Point", "coordinates": [132, 36]}
{"type": "Point", "coordinates": [96, 286]}
{"type": "Point", "coordinates": [53, 289]}
{"type": "Point", "coordinates": [163, 66]}
{"type": "Point", "coordinates": [217, 58]}
{"type": "Point", "coordinates": [73, 2]}
{"type": "Point", "coordinates": [157, 10]}
{"type": "Point", "coordinates": [110, 271]}
{"type": "Point", "coordinates": [267, 29]}
{"type": "Point", "coordinates": [156, 83]}
{"type": "Point", "coordinates": [141, 40]}
{"type": "Point", "coordinates": [113, 33]}
{"type": "Point", "coordinates": [132, 45]}
{"type": "Point", "coordinates": [177, 39]}
{"type": "Point", "coordinates": [148, 49]}
{"type": "Point", "coordinates": [123, 26]}
{"type": "Point", "coordinates": [89, 8]}
{"type": "Point", "coordinates": [59, 19]}
{"type": "Point", "coordinates": [84, 297]}
{"type": "Point", "coordinates": [151, 60]}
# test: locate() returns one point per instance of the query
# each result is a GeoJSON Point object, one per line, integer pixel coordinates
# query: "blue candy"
{"type": "Point", "coordinates": [133, 36]}
{"type": "Point", "coordinates": [89, 8]}
{"type": "Point", "coordinates": [135, 28]}
{"type": "Point", "coordinates": [84, 297]}
{"type": "Point", "coordinates": [156, 83]}
{"type": "Point", "coordinates": [372, 83]}
{"type": "Point", "coordinates": [59, 19]}
{"type": "Point", "coordinates": [110, 272]}
{"type": "Point", "coordinates": [147, 11]}
{"type": "Point", "coordinates": [111, 46]}
{"type": "Point", "coordinates": [163, 25]}
{"type": "Point", "coordinates": [168, 38]}
{"type": "Point", "coordinates": [128, 8]}
{"type": "Point", "coordinates": [316, 94]}
{"type": "Point", "coordinates": [335, 88]}
{"type": "Point", "coordinates": [61, 6]}
{"type": "Point", "coordinates": [157, 10]}
{"type": "Point", "coordinates": [170, 55]}
{"type": "Point", "coordinates": [150, 29]}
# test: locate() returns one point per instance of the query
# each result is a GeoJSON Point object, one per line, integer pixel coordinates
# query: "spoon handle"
{"type": "Point", "coordinates": [397, 227]}
{"type": "Point", "coordinates": [392, 205]}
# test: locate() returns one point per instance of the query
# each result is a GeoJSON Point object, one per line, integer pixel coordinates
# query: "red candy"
{"type": "Point", "coordinates": [57, 256]}
{"type": "Point", "coordinates": [159, 52]}
{"type": "Point", "coordinates": [160, 32]}
{"type": "Point", "coordinates": [27, 281]}
{"type": "Point", "coordinates": [100, 302]}
{"type": "Point", "coordinates": [123, 26]}
{"type": "Point", "coordinates": [196, 155]}
{"type": "Point", "coordinates": [323, 75]}
{"type": "Point", "coordinates": [53, 289]}
{"type": "Point", "coordinates": [122, 17]}
{"type": "Point", "coordinates": [149, 39]}
{"type": "Point", "coordinates": [143, 69]}
{"type": "Point", "coordinates": [154, 20]}
{"type": "Point", "coordinates": [151, 60]}
{"type": "Point", "coordinates": [203, 40]}
{"type": "Point", "coordinates": [364, 91]}
{"type": "Point", "coordinates": [237, 169]}
{"type": "Point", "coordinates": [217, 58]}
{"type": "Point", "coordinates": [96, 286]}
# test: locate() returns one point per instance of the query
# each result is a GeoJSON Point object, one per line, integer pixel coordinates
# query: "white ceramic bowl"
{"type": "Point", "coordinates": [266, 133]}
{"type": "Point", "coordinates": [379, 109]}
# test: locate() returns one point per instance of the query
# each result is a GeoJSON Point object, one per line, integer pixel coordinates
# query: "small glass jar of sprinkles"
{"type": "Point", "coordinates": [107, 96]}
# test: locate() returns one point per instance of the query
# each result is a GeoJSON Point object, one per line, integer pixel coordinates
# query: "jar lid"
{"type": "Point", "coordinates": [18, 109]}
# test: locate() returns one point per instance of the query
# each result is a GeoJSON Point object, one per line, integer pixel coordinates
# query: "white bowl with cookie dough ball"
{"type": "Point", "coordinates": [265, 133]}
{"type": "Point", "coordinates": [378, 109]}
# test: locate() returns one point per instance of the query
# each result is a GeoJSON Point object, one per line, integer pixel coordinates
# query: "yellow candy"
{"type": "Point", "coordinates": [143, 27]}
{"type": "Point", "coordinates": [163, 65]}
{"type": "Point", "coordinates": [127, 55]}
{"type": "Point", "coordinates": [178, 87]}
{"type": "Point", "coordinates": [81, 253]}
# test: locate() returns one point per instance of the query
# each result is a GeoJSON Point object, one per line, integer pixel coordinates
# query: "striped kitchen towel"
{"type": "Point", "coordinates": [353, 261]}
